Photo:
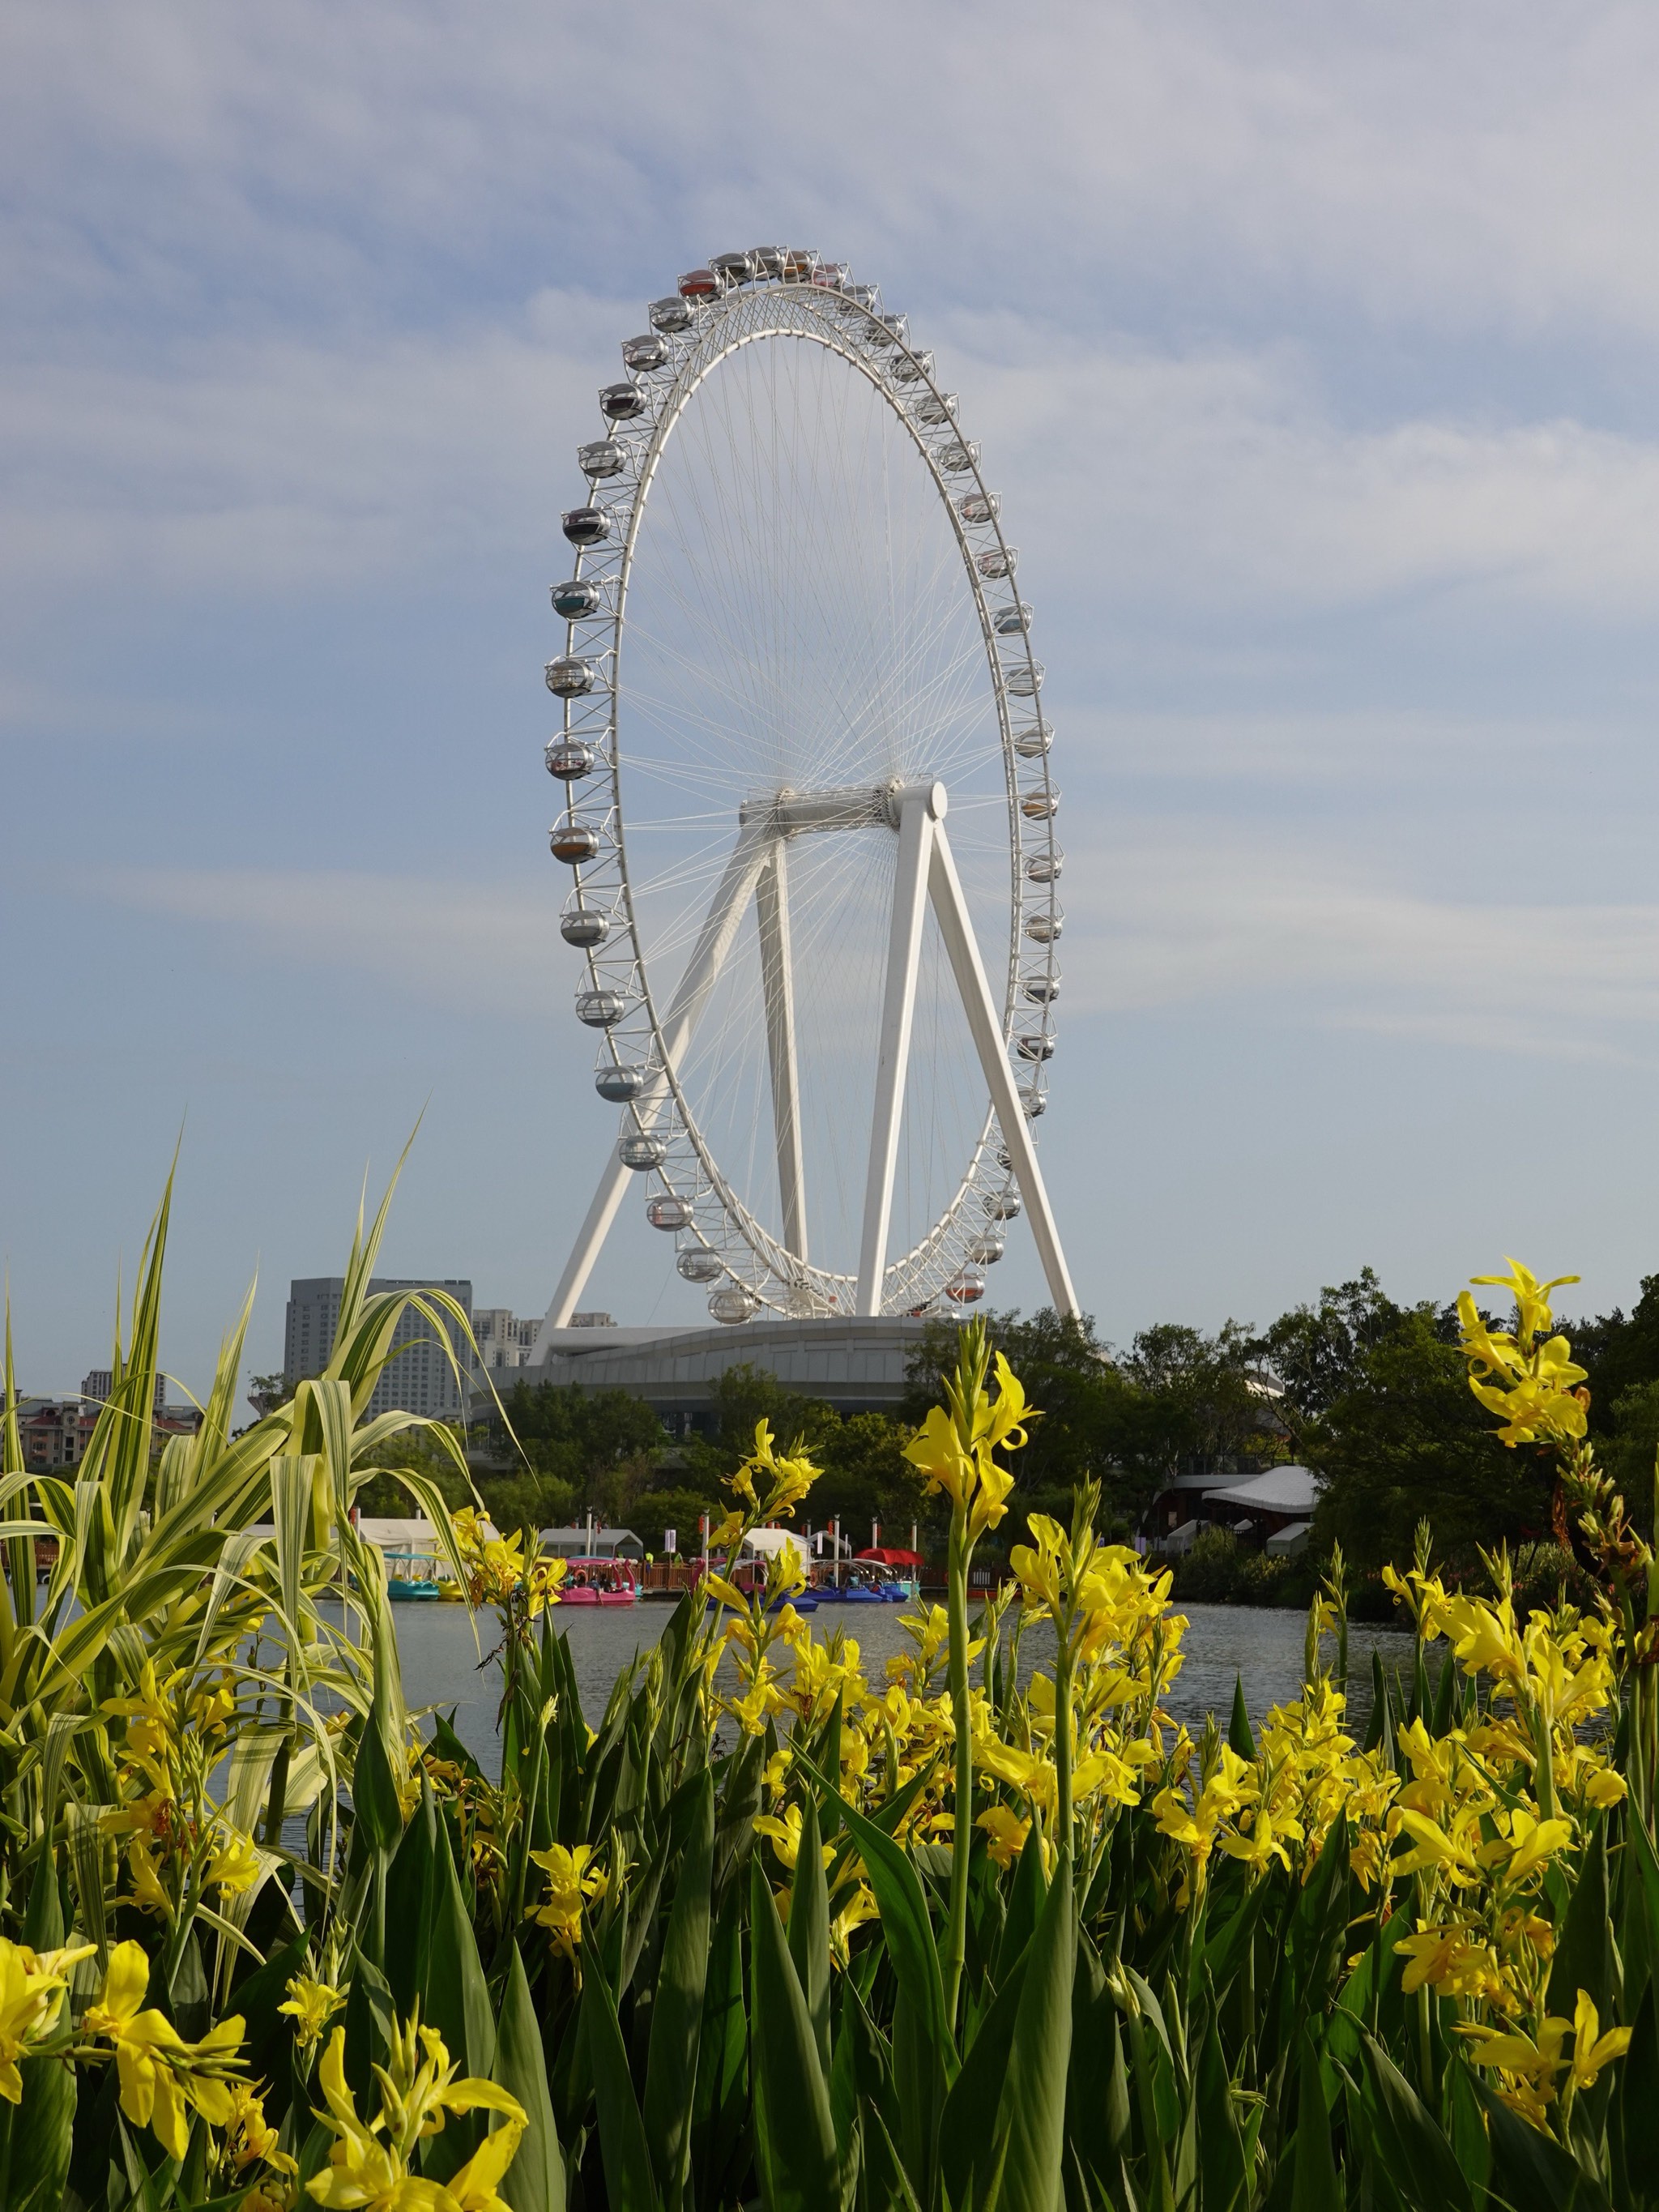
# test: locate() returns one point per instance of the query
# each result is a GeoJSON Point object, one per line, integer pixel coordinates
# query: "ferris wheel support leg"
{"type": "Point", "coordinates": [778, 987]}
{"type": "Point", "coordinates": [726, 911]}
{"type": "Point", "coordinates": [917, 830]}
{"type": "Point", "coordinates": [956, 928]}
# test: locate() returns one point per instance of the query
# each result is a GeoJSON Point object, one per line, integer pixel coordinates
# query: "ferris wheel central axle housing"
{"type": "Point", "coordinates": [855, 806]}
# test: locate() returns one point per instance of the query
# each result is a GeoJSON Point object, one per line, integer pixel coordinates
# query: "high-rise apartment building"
{"type": "Point", "coordinates": [504, 1340]}
{"type": "Point", "coordinates": [418, 1378]}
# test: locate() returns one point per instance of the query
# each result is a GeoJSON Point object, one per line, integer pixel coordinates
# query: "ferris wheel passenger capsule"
{"type": "Point", "coordinates": [568, 758]}
{"type": "Point", "coordinates": [1025, 680]}
{"type": "Point", "coordinates": [670, 314]}
{"type": "Point", "coordinates": [1045, 925]}
{"type": "Point", "coordinates": [1040, 806]}
{"type": "Point", "coordinates": [938, 407]}
{"type": "Point", "coordinates": [861, 295]}
{"type": "Point", "coordinates": [575, 599]}
{"type": "Point", "coordinates": [997, 560]}
{"type": "Point", "coordinates": [600, 1010]}
{"type": "Point", "coordinates": [573, 843]}
{"type": "Point", "coordinates": [584, 927]}
{"type": "Point", "coordinates": [641, 1152]}
{"type": "Point", "coordinates": [699, 284]}
{"type": "Point", "coordinates": [890, 331]}
{"type": "Point", "coordinates": [1012, 621]}
{"type": "Point", "coordinates": [960, 455]}
{"type": "Point", "coordinates": [985, 1251]}
{"type": "Point", "coordinates": [586, 525]}
{"type": "Point", "coordinates": [669, 1212]}
{"type": "Point", "coordinates": [980, 506]}
{"type": "Point", "coordinates": [569, 676]}
{"type": "Point", "coordinates": [911, 367]}
{"type": "Point", "coordinates": [621, 403]}
{"type": "Point", "coordinates": [647, 352]}
{"type": "Point", "coordinates": [1036, 1047]}
{"type": "Point", "coordinates": [733, 269]}
{"type": "Point", "coordinates": [604, 457]}
{"type": "Point", "coordinates": [1032, 1101]}
{"type": "Point", "coordinates": [1031, 743]}
{"type": "Point", "coordinates": [767, 262]}
{"type": "Point", "coordinates": [1043, 990]}
{"type": "Point", "coordinates": [617, 1085]}
{"type": "Point", "coordinates": [798, 263]}
{"type": "Point", "coordinates": [1002, 1204]}
{"type": "Point", "coordinates": [965, 1287]}
{"type": "Point", "coordinates": [1044, 868]}
{"type": "Point", "coordinates": [831, 275]}
{"type": "Point", "coordinates": [734, 1304]}
{"type": "Point", "coordinates": [698, 1265]}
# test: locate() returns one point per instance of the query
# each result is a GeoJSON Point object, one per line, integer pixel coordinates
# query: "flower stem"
{"type": "Point", "coordinates": [956, 1949]}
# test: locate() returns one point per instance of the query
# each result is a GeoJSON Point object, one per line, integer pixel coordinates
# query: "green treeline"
{"type": "Point", "coordinates": [1371, 1393]}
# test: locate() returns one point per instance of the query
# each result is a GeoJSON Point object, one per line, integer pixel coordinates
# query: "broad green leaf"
{"type": "Point", "coordinates": [455, 2000]}
{"type": "Point", "coordinates": [1412, 2144]}
{"type": "Point", "coordinates": [629, 2181]}
{"type": "Point", "coordinates": [795, 2134]}
{"type": "Point", "coordinates": [678, 2005]}
{"type": "Point", "coordinates": [1033, 2095]}
{"type": "Point", "coordinates": [535, 2180]}
{"type": "Point", "coordinates": [1583, 1956]}
{"type": "Point", "coordinates": [1314, 2188]}
{"type": "Point", "coordinates": [908, 1932]}
{"type": "Point", "coordinates": [809, 1929]}
{"type": "Point", "coordinates": [972, 2127]}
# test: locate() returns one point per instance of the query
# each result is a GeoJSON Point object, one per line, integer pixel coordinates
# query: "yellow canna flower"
{"type": "Point", "coordinates": [161, 2075]}
{"type": "Point", "coordinates": [1591, 2049]}
{"type": "Point", "coordinates": [1006, 1832]}
{"type": "Point", "coordinates": [571, 1881]}
{"type": "Point", "coordinates": [311, 2005]}
{"type": "Point", "coordinates": [31, 1986]}
{"type": "Point", "coordinates": [419, 2088]}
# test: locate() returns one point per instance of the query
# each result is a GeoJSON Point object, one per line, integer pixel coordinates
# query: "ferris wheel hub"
{"type": "Point", "coordinates": [787, 811]}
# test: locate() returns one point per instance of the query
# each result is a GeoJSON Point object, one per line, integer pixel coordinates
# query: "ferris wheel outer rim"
{"type": "Point", "coordinates": [831, 313]}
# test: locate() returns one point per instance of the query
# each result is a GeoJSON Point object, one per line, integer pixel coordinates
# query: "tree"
{"type": "Point", "coordinates": [864, 1474]}
{"type": "Point", "coordinates": [579, 1437]}
{"type": "Point", "coordinates": [265, 1392]}
{"type": "Point", "coordinates": [1406, 1441]}
{"type": "Point", "coordinates": [1317, 1351]}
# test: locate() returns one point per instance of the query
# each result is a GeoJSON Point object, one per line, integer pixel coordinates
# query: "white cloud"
{"type": "Point", "coordinates": [1161, 919]}
{"type": "Point", "coordinates": [1168, 918]}
{"type": "Point", "coordinates": [463, 945]}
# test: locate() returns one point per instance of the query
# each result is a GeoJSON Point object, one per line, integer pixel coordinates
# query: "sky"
{"type": "Point", "coordinates": [1312, 351]}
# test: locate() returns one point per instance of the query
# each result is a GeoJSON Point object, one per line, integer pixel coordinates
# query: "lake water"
{"type": "Point", "coordinates": [441, 1661]}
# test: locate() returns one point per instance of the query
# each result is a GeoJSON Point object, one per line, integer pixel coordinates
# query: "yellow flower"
{"type": "Point", "coordinates": [1591, 2049]}
{"type": "Point", "coordinates": [250, 2139]}
{"type": "Point", "coordinates": [570, 1883]}
{"type": "Point", "coordinates": [417, 2089]}
{"type": "Point", "coordinates": [1532, 1841]}
{"type": "Point", "coordinates": [1528, 1384]}
{"type": "Point", "coordinates": [1454, 1958]}
{"type": "Point", "coordinates": [1007, 1833]}
{"type": "Point", "coordinates": [786, 1835]}
{"type": "Point", "coordinates": [311, 2005]}
{"type": "Point", "coordinates": [161, 2075]}
{"type": "Point", "coordinates": [32, 1986]}
{"type": "Point", "coordinates": [234, 1864]}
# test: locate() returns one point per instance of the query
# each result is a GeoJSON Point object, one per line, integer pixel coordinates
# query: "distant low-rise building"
{"type": "Point", "coordinates": [504, 1340]}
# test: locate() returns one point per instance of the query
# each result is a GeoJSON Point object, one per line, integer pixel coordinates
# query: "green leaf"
{"type": "Point", "coordinates": [1224, 2174]}
{"type": "Point", "coordinates": [677, 2007]}
{"type": "Point", "coordinates": [1583, 1956]}
{"type": "Point", "coordinates": [908, 1932]}
{"type": "Point", "coordinates": [629, 2185]}
{"type": "Point", "coordinates": [1239, 1737]}
{"type": "Point", "coordinates": [410, 1890]}
{"type": "Point", "coordinates": [809, 1929]}
{"type": "Point", "coordinates": [535, 2180]}
{"type": "Point", "coordinates": [1412, 2143]}
{"type": "Point", "coordinates": [1530, 2171]}
{"type": "Point", "coordinates": [1034, 2094]}
{"type": "Point", "coordinates": [1314, 2187]}
{"type": "Point", "coordinates": [455, 2000]}
{"type": "Point", "coordinates": [970, 2126]}
{"type": "Point", "coordinates": [795, 2134]}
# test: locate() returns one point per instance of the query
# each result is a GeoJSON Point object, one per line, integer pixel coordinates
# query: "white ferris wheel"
{"type": "Point", "coordinates": [807, 809]}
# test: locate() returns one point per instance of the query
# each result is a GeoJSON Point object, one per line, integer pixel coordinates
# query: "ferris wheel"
{"type": "Point", "coordinates": [807, 809]}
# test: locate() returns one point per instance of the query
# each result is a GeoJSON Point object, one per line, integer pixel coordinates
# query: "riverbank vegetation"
{"type": "Point", "coordinates": [975, 1933]}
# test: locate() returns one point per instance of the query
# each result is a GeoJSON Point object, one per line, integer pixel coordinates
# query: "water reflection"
{"type": "Point", "coordinates": [441, 1661]}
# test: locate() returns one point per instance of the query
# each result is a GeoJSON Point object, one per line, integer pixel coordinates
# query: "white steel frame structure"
{"type": "Point", "coordinates": [774, 296]}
